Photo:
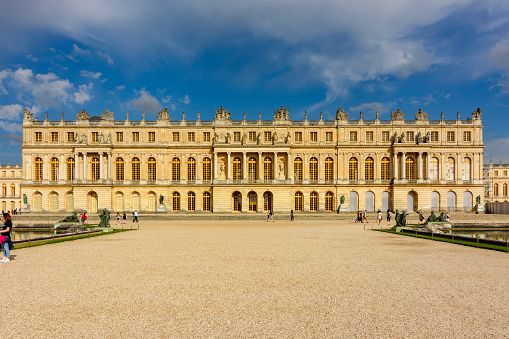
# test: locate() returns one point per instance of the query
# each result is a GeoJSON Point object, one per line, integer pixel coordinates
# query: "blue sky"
{"type": "Point", "coordinates": [439, 55]}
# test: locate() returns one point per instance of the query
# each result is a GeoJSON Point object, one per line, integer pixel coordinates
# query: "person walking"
{"type": "Point", "coordinates": [7, 245]}
{"type": "Point", "coordinates": [388, 218]}
{"type": "Point", "coordinates": [447, 217]}
{"type": "Point", "coordinates": [291, 215]}
{"type": "Point", "coordinates": [421, 217]}
{"type": "Point", "coordinates": [365, 217]}
{"type": "Point", "coordinates": [378, 217]}
{"type": "Point", "coordinates": [124, 218]}
{"type": "Point", "coordinates": [118, 218]}
{"type": "Point", "coordinates": [268, 216]}
{"type": "Point", "coordinates": [136, 215]}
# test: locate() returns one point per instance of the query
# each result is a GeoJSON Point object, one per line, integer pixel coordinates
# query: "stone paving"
{"type": "Point", "coordinates": [309, 278]}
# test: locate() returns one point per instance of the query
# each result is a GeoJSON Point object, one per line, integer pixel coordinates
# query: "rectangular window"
{"type": "Point", "coordinates": [409, 136]}
{"type": "Point", "coordinates": [434, 136]}
{"type": "Point", "coordinates": [13, 191]}
{"type": "Point", "coordinates": [385, 136]}
{"type": "Point", "coordinates": [328, 136]}
{"type": "Point", "coordinates": [70, 137]}
{"type": "Point", "coordinates": [369, 136]}
{"type": "Point", "coordinates": [95, 136]}
{"type": "Point", "coordinates": [467, 136]}
{"type": "Point", "coordinates": [267, 136]}
{"type": "Point", "coordinates": [12, 173]}
{"type": "Point", "coordinates": [54, 136]}
{"type": "Point", "coordinates": [252, 136]}
{"type": "Point", "coordinates": [298, 136]}
{"type": "Point", "coordinates": [314, 136]}
{"type": "Point", "coordinates": [206, 136]}
{"type": "Point", "coordinates": [151, 136]}
{"type": "Point", "coordinates": [38, 136]}
{"type": "Point", "coordinates": [190, 137]}
{"type": "Point", "coordinates": [236, 136]}
{"type": "Point", "coordinates": [120, 136]}
{"type": "Point", "coordinates": [450, 136]}
{"type": "Point", "coordinates": [176, 137]}
{"type": "Point", "coordinates": [353, 136]}
{"type": "Point", "coordinates": [136, 136]}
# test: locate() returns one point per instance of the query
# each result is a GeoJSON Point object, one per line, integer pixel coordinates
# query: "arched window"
{"type": "Point", "coordinates": [251, 169]}
{"type": "Point", "coordinates": [495, 189]}
{"type": "Point", "coordinates": [70, 168]}
{"type": "Point", "coordinates": [53, 201]}
{"type": "Point", "coordinates": [313, 169]}
{"type": "Point", "coordinates": [119, 169]}
{"type": "Point", "coordinates": [4, 206]}
{"type": "Point", "coordinates": [298, 201]}
{"type": "Point", "coordinates": [13, 190]}
{"type": "Point", "coordinates": [151, 202]}
{"type": "Point", "coordinates": [237, 201]}
{"type": "Point", "coordinates": [176, 201]}
{"type": "Point", "coordinates": [252, 198]}
{"type": "Point", "coordinates": [4, 190]}
{"type": "Point", "coordinates": [449, 169]}
{"type": "Point", "coordinates": [465, 170]}
{"type": "Point", "coordinates": [37, 169]}
{"type": "Point", "coordinates": [175, 170]}
{"type": "Point", "coordinates": [54, 169]}
{"type": "Point", "coordinates": [69, 202]}
{"type": "Point", "coordinates": [95, 169]}
{"type": "Point", "coordinates": [352, 169]}
{"type": "Point", "coordinates": [297, 169]}
{"type": "Point", "coordinates": [267, 168]}
{"type": "Point", "coordinates": [152, 169]}
{"type": "Point", "coordinates": [93, 202]}
{"type": "Point", "coordinates": [433, 169]}
{"type": "Point", "coordinates": [385, 169]}
{"type": "Point", "coordinates": [369, 169]}
{"type": "Point", "coordinates": [191, 201]}
{"type": "Point", "coordinates": [136, 201]}
{"type": "Point", "coordinates": [329, 197]}
{"type": "Point", "coordinates": [206, 170]}
{"type": "Point", "coordinates": [313, 201]}
{"type": "Point", "coordinates": [13, 205]}
{"type": "Point", "coordinates": [37, 201]}
{"type": "Point", "coordinates": [329, 169]}
{"type": "Point", "coordinates": [409, 168]}
{"type": "Point", "coordinates": [267, 201]}
{"type": "Point", "coordinates": [206, 201]}
{"type": "Point", "coordinates": [119, 197]}
{"type": "Point", "coordinates": [191, 169]}
{"type": "Point", "coordinates": [237, 169]}
{"type": "Point", "coordinates": [135, 167]}
{"type": "Point", "coordinates": [505, 189]}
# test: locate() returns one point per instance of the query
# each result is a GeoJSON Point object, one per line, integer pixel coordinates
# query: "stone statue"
{"type": "Point", "coordinates": [281, 114]}
{"type": "Point", "coordinates": [418, 138]}
{"type": "Point", "coordinates": [75, 137]}
{"type": "Point", "coordinates": [105, 218]}
{"type": "Point", "coordinates": [244, 116]}
{"type": "Point", "coordinates": [183, 116]}
{"type": "Point", "coordinates": [161, 199]}
{"type": "Point", "coordinates": [420, 115]}
{"type": "Point", "coordinates": [82, 115]}
{"type": "Point", "coordinates": [288, 138]}
{"type": "Point", "coordinates": [441, 217]}
{"type": "Point", "coordinates": [71, 218]}
{"type": "Point", "coordinates": [164, 115]}
{"type": "Point", "coordinates": [101, 138]}
{"type": "Point", "coordinates": [305, 115]}
{"type": "Point", "coordinates": [228, 137]}
{"type": "Point", "coordinates": [275, 137]}
{"type": "Point", "coordinates": [244, 139]}
{"type": "Point", "coordinates": [222, 114]}
{"type": "Point", "coordinates": [107, 115]}
{"type": "Point", "coordinates": [397, 115]}
{"type": "Point", "coordinates": [477, 199]}
{"type": "Point", "coordinates": [108, 140]}
{"type": "Point", "coordinates": [427, 138]}
{"type": "Point", "coordinates": [396, 217]}
{"type": "Point", "coordinates": [25, 201]}
{"type": "Point", "coordinates": [342, 199]}
{"type": "Point", "coordinates": [259, 115]}
{"type": "Point", "coordinates": [432, 217]}
{"type": "Point", "coordinates": [282, 169]}
{"type": "Point", "coordinates": [222, 168]}
{"type": "Point", "coordinates": [84, 138]}
{"type": "Point", "coordinates": [143, 115]}
{"type": "Point", "coordinates": [476, 115]}
{"type": "Point", "coordinates": [400, 219]}
{"type": "Point", "coordinates": [216, 137]}
{"type": "Point", "coordinates": [259, 138]}
{"type": "Point", "coordinates": [341, 115]}
{"type": "Point", "coordinates": [27, 115]}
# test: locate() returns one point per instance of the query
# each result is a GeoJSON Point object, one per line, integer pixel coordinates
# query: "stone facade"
{"type": "Point", "coordinates": [10, 182]}
{"type": "Point", "coordinates": [245, 166]}
{"type": "Point", "coordinates": [496, 178]}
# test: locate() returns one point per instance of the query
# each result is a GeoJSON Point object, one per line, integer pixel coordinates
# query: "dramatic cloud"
{"type": "Point", "coordinates": [11, 112]}
{"type": "Point", "coordinates": [83, 94]}
{"type": "Point", "coordinates": [146, 102]}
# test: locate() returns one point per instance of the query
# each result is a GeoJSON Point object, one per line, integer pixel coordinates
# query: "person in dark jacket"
{"type": "Point", "coordinates": [7, 245]}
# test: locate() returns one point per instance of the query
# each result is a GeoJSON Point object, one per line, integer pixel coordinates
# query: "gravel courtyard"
{"type": "Point", "coordinates": [303, 279]}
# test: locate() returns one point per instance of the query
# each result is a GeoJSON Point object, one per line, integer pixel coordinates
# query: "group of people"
{"type": "Point", "coordinates": [13, 212]}
{"type": "Point", "coordinates": [362, 217]}
{"type": "Point", "coordinates": [5, 237]}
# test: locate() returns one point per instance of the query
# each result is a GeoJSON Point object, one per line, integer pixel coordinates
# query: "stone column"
{"type": "Point", "coordinates": [260, 165]}
{"type": "Point", "coordinates": [395, 174]}
{"type": "Point", "coordinates": [289, 166]}
{"type": "Point", "coordinates": [403, 169]}
{"type": "Point", "coordinates": [215, 166]}
{"type": "Point", "coordinates": [419, 163]}
{"type": "Point", "coordinates": [76, 172]}
{"type": "Point", "coordinates": [100, 165]}
{"type": "Point", "coordinates": [109, 166]}
{"type": "Point", "coordinates": [274, 171]}
{"type": "Point", "coordinates": [84, 165]}
{"type": "Point", "coordinates": [61, 168]}
{"type": "Point", "coordinates": [229, 167]}
{"type": "Point", "coordinates": [244, 167]}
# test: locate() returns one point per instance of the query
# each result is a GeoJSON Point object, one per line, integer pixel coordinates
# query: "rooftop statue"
{"type": "Point", "coordinates": [282, 114]}
{"type": "Point", "coordinates": [420, 115]}
{"type": "Point", "coordinates": [397, 115]}
{"type": "Point", "coordinates": [341, 115]}
{"type": "Point", "coordinates": [222, 114]}
{"type": "Point", "coordinates": [476, 115]}
{"type": "Point", "coordinates": [163, 115]}
{"type": "Point", "coordinates": [27, 115]}
{"type": "Point", "coordinates": [107, 115]}
{"type": "Point", "coordinates": [82, 115]}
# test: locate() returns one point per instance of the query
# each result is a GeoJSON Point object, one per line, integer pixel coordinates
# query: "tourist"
{"type": "Point", "coordinates": [84, 217]}
{"type": "Point", "coordinates": [365, 217]}
{"type": "Point", "coordinates": [447, 217]}
{"type": "Point", "coordinates": [118, 218]}
{"type": "Point", "coordinates": [7, 245]}
{"type": "Point", "coordinates": [124, 218]}
{"type": "Point", "coordinates": [268, 216]}
{"type": "Point", "coordinates": [359, 217]}
{"type": "Point", "coordinates": [272, 216]}
{"type": "Point", "coordinates": [136, 215]}
{"type": "Point", "coordinates": [388, 218]}
{"type": "Point", "coordinates": [291, 215]}
{"type": "Point", "coordinates": [421, 217]}
{"type": "Point", "coordinates": [378, 217]}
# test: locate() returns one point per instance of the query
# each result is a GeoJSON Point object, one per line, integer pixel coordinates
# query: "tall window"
{"type": "Point", "coordinates": [385, 136]}
{"type": "Point", "coordinates": [433, 169]}
{"type": "Point", "coordinates": [119, 201]}
{"type": "Point", "coordinates": [267, 201]}
{"type": "Point", "coordinates": [237, 169]}
{"type": "Point", "coordinates": [119, 169]}
{"type": "Point", "coordinates": [505, 189]}
{"type": "Point", "coordinates": [54, 169]}
{"type": "Point", "coordinates": [267, 136]}
{"type": "Point", "coordinates": [434, 136]}
{"type": "Point", "coordinates": [135, 169]}
{"type": "Point", "coordinates": [152, 169]}
{"type": "Point", "coordinates": [4, 190]}
{"type": "Point", "coordinates": [329, 169]}
{"type": "Point", "coordinates": [297, 168]}
{"type": "Point", "coordinates": [53, 198]}
{"type": "Point", "coordinates": [151, 136]}
{"type": "Point", "coordinates": [95, 169]}
{"type": "Point", "coordinates": [236, 136]}
{"type": "Point", "coordinates": [352, 169]}
{"type": "Point", "coordinates": [190, 137]}
{"type": "Point", "coordinates": [206, 136]}
{"type": "Point", "coordinates": [191, 169]}
{"type": "Point", "coordinates": [70, 168]}
{"type": "Point", "coordinates": [206, 172]}
{"type": "Point", "coordinates": [313, 201]}
{"type": "Point", "coordinates": [95, 136]}
{"type": "Point", "coordinates": [206, 201]}
{"type": "Point", "coordinates": [449, 169]}
{"type": "Point", "coordinates": [69, 202]}
{"type": "Point", "coordinates": [136, 200]}
{"type": "Point", "coordinates": [368, 169]}
{"type": "Point", "coordinates": [450, 136]}
{"type": "Point", "coordinates": [37, 202]}
{"type": "Point", "coordinates": [251, 169]}
{"type": "Point", "coordinates": [151, 202]}
{"type": "Point", "coordinates": [252, 201]}
{"type": "Point", "coordinates": [136, 136]}
{"type": "Point", "coordinates": [267, 168]}
{"type": "Point", "coordinates": [54, 136]}
{"type": "Point", "coordinates": [409, 136]}
{"type": "Point", "coordinates": [369, 136]}
{"type": "Point", "coordinates": [175, 169]}
{"type": "Point", "coordinates": [467, 136]}
{"type": "Point", "coordinates": [237, 201]}
{"type": "Point", "coordinates": [353, 136]}
{"type": "Point", "coordinates": [385, 168]}
{"type": "Point", "coordinates": [298, 201]}
{"type": "Point", "coordinates": [191, 201]}
{"type": "Point", "coordinates": [495, 189]}
{"type": "Point", "coordinates": [409, 168]}
{"type": "Point", "coordinates": [70, 138]}
{"type": "Point", "coordinates": [329, 201]}
{"type": "Point", "coordinates": [120, 136]}
{"type": "Point", "coordinates": [298, 136]}
{"type": "Point", "coordinates": [313, 169]}
{"type": "Point", "coordinates": [175, 201]}
{"type": "Point", "coordinates": [38, 136]}
{"type": "Point", "coordinates": [252, 136]}
{"type": "Point", "coordinates": [13, 190]}
{"type": "Point", "coordinates": [328, 136]}
{"type": "Point", "coordinates": [93, 202]}
{"type": "Point", "coordinates": [38, 169]}
{"type": "Point", "coordinates": [465, 170]}
{"type": "Point", "coordinates": [176, 137]}
{"type": "Point", "coordinates": [314, 136]}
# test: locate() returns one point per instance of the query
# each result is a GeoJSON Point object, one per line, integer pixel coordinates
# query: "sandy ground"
{"type": "Point", "coordinates": [247, 279]}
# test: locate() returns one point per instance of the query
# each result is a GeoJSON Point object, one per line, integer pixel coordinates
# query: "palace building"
{"type": "Point", "coordinates": [249, 166]}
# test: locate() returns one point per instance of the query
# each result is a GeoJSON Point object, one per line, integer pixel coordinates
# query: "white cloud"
{"type": "Point", "coordinates": [32, 58]}
{"type": "Point", "coordinates": [10, 112]}
{"type": "Point", "coordinates": [500, 54]}
{"type": "Point", "coordinates": [498, 149]}
{"type": "Point", "coordinates": [83, 94]}
{"type": "Point", "coordinates": [185, 99]}
{"type": "Point", "coordinates": [146, 102]}
{"type": "Point", "coordinates": [89, 74]}
{"type": "Point", "coordinates": [10, 127]}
